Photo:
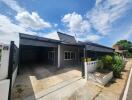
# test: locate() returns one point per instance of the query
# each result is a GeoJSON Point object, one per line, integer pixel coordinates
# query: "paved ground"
{"type": "Point", "coordinates": [34, 79]}
{"type": "Point", "coordinates": [75, 88]}
{"type": "Point", "coordinates": [87, 90]}
{"type": "Point", "coordinates": [129, 95]}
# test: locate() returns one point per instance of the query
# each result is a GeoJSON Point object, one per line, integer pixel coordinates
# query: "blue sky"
{"type": "Point", "coordinates": [101, 21]}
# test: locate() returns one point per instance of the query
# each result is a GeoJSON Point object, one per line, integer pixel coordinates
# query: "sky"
{"type": "Point", "coordinates": [100, 21]}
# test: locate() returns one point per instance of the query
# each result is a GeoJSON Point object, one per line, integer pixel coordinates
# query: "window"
{"type": "Point", "coordinates": [51, 55]}
{"type": "Point", "coordinates": [69, 55]}
{"type": "Point", "coordinates": [73, 55]}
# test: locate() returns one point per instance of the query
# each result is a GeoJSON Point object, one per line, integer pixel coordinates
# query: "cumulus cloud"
{"type": "Point", "coordinates": [99, 19]}
{"type": "Point", "coordinates": [105, 13]}
{"type": "Point", "coordinates": [9, 31]}
{"type": "Point", "coordinates": [13, 5]}
{"type": "Point", "coordinates": [32, 20]}
{"type": "Point", "coordinates": [24, 22]}
{"type": "Point", "coordinates": [52, 35]}
{"type": "Point", "coordinates": [93, 37]}
{"type": "Point", "coordinates": [76, 23]}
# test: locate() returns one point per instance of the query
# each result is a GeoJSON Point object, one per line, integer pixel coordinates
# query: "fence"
{"type": "Point", "coordinates": [8, 69]}
{"type": "Point", "coordinates": [90, 67]}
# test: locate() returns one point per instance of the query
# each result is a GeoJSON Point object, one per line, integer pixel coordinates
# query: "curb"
{"type": "Point", "coordinates": [124, 97]}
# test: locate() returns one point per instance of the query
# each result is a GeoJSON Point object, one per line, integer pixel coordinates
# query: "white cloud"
{"type": "Point", "coordinates": [32, 20]}
{"type": "Point", "coordinates": [26, 23]}
{"type": "Point", "coordinates": [91, 37]}
{"type": "Point", "coordinates": [26, 19]}
{"type": "Point", "coordinates": [9, 31]}
{"type": "Point", "coordinates": [52, 35]}
{"type": "Point", "coordinates": [76, 23]}
{"type": "Point", "coordinates": [13, 5]}
{"type": "Point", "coordinates": [105, 13]}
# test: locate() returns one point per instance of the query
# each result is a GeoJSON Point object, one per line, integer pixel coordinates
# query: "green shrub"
{"type": "Point", "coordinates": [118, 65]}
{"type": "Point", "coordinates": [100, 65]}
{"type": "Point", "coordinates": [107, 62]}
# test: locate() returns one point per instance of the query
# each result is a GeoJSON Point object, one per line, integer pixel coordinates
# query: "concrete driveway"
{"type": "Point", "coordinates": [33, 79]}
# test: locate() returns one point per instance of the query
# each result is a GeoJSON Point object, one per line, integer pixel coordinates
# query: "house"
{"type": "Point", "coordinates": [60, 50]}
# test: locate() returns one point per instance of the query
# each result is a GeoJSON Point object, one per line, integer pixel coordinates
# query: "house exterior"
{"type": "Point", "coordinates": [59, 49]}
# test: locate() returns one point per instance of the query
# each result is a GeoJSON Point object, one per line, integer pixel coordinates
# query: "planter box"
{"type": "Point", "coordinates": [102, 80]}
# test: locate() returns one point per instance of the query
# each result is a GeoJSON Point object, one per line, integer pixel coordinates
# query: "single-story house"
{"type": "Point", "coordinates": [60, 50]}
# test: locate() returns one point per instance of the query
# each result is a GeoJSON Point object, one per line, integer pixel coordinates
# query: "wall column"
{"type": "Point", "coordinates": [59, 56]}
{"type": "Point", "coordinates": [84, 53]}
{"type": "Point", "coordinates": [84, 56]}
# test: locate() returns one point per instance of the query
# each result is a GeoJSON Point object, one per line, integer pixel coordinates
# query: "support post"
{"type": "Point", "coordinates": [84, 56]}
{"type": "Point", "coordinates": [59, 56]}
{"type": "Point", "coordinates": [86, 70]}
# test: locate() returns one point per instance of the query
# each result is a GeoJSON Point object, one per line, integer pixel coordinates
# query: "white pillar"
{"type": "Point", "coordinates": [86, 70]}
{"type": "Point", "coordinates": [59, 56]}
{"type": "Point", "coordinates": [85, 64]}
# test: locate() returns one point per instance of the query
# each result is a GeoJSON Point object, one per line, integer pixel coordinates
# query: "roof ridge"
{"type": "Point", "coordinates": [64, 34]}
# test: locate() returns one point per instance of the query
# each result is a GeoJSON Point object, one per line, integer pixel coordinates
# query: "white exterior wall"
{"type": "Point", "coordinates": [4, 63]}
{"type": "Point", "coordinates": [4, 89]}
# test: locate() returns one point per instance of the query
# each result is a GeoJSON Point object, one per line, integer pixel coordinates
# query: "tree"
{"type": "Point", "coordinates": [130, 50]}
{"type": "Point", "coordinates": [124, 44]}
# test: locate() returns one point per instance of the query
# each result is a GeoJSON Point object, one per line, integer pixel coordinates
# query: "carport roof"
{"type": "Point", "coordinates": [32, 37]}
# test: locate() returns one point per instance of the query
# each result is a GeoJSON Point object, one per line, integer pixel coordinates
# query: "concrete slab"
{"type": "Point", "coordinates": [34, 79]}
{"type": "Point", "coordinates": [65, 92]}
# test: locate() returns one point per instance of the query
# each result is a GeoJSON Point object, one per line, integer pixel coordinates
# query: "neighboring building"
{"type": "Point", "coordinates": [118, 49]}
{"type": "Point", "coordinates": [62, 50]}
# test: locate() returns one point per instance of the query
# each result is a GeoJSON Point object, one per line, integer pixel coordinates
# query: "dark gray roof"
{"type": "Point", "coordinates": [66, 38]}
{"type": "Point", "coordinates": [33, 37]}
{"type": "Point", "coordinates": [69, 40]}
{"type": "Point", "coordinates": [96, 47]}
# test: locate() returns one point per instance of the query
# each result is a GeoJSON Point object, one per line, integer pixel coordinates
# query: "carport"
{"type": "Point", "coordinates": [37, 50]}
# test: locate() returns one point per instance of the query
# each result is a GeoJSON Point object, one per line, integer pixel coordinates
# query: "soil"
{"type": "Point", "coordinates": [101, 73]}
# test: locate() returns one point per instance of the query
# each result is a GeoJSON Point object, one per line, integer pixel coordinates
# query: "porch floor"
{"type": "Point", "coordinates": [33, 79]}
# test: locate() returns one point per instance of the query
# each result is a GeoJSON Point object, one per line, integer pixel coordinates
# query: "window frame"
{"type": "Point", "coordinates": [53, 55]}
{"type": "Point", "coordinates": [70, 57]}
